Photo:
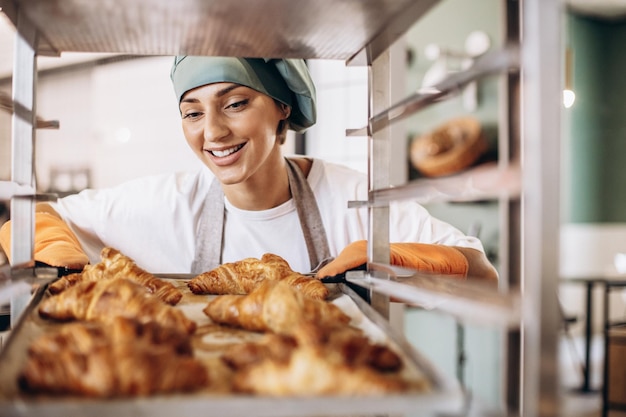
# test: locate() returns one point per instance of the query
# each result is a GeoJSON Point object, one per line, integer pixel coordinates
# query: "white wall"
{"type": "Point", "coordinates": [121, 120]}
{"type": "Point", "coordinates": [588, 251]}
{"type": "Point", "coordinates": [5, 146]}
{"type": "Point", "coordinates": [342, 103]}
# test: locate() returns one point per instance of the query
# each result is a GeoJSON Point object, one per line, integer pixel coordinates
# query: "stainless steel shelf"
{"type": "Point", "coordinates": [468, 301]}
{"type": "Point", "coordinates": [484, 182]}
{"type": "Point", "coordinates": [325, 29]}
{"type": "Point", "coordinates": [7, 105]}
{"type": "Point", "coordinates": [493, 62]}
{"type": "Point", "coordinates": [359, 32]}
{"type": "Point", "coordinates": [10, 189]}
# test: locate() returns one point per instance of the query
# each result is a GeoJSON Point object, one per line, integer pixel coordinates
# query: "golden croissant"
{"type": "Point", "coordinates": [273, 306]}
{"type": "Point", "coordinates": [309, 372]}
{"type": "Point", "coordinates": [348, 345]}
{"type": "Point", "coordinates": [104, 300]}
{"type": "Point", "coordinates": [121, 358]}
{"type": "Point", "coordinates": [116, 265]}
{"type": "Point", "coordinates": [271, 346]}
{"type": "Point", "coordinates": [244, 276]}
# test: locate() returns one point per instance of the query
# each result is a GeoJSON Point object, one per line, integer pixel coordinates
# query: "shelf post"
{"type": "Point", "coordinates": [541, 83]}
{"type": "Point", "coordinates": [23, 144]}
{"type": "Point", "coordinates": [379, 162]}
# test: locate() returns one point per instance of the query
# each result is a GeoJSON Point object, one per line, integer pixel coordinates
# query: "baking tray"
{"type": "Point", "coordinates": [443, 396]}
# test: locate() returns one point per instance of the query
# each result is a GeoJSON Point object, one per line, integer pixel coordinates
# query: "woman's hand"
{"type": "Point", "coordinates": [55, 244]}
{"type": "Point", "coordinates": [436, 259]}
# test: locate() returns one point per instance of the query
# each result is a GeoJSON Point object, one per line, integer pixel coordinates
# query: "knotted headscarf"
{"type": "Point", "coordinates": [286, 80]}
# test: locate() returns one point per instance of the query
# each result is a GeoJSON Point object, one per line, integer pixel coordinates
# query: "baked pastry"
{"type": "Point", "coordinates": [346, 344]}
{"type": "Point", "coordinates": [311, 371]}
{"type": "Point", "coordinates": [355, 349]}
{"type": "Point", "coordinates": [449, 148]}
{"type": "Point", "coordinates": [104, 300]}
{"type": "Point", "coordinates": [116, 265]}
{"type": "Point", "coordinates": [271, 346]}
{"type": "Point", "coordinates": [121, 358]}
{"type": "Point", "coordinates": [244, 276]}
{"type": "Point", "coordinates": [273, 306]}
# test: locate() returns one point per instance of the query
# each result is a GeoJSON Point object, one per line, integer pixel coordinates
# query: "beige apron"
{"type": "Point", "coordinates": [210, 237]}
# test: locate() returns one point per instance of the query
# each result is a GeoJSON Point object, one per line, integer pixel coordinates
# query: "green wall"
{"type": "Point", "coordinates": [597, 122]}
{"type": "Point", "coordinates": [448, 25]}
{"type": "Point", "coordinates": [434, 334]}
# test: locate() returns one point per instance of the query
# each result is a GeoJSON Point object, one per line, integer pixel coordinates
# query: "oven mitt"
{"type": "Point", "coordinates": [55, 244]}
{"type": "Point", "coordinates": [437, 259]}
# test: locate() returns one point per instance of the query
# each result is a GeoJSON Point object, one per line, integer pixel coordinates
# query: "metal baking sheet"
{"type": "Point", "coordinates": [444, 395]}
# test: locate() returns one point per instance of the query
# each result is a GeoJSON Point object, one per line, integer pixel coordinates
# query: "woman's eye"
{"type": "Point", "coordinates": [237, 105]}
{"type": "Point", "coordinates": [191, 115]}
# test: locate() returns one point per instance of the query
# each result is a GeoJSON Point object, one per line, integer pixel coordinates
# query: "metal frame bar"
{"type": "Point", "coordinates": [509, 207]}
{"type": "Point", "coordinates": [379, 156]}
{"type": "Point", "coordinates": [491, 63]}
{"type": "Point", "coordinates": [541, 76]}
{"type": "Point", "coordinates": [23, 151]}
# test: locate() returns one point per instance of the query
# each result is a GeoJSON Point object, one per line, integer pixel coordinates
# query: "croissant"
{"type": "Point", "coordinates": [349, 345]}
{"type": "Point", "coordinates": [274, 346]}
{"type": "Point", "coordinates": [104, 300]}
{"type": "Point", "coordinates": [355, 349]}
{"type": "Point", "coordinates": [310, 286]}
{"type": "Point", "coordinates": [65, 282]}
{"type": "Point", "coordinates": [116, 265]}
{"type": "Point", "coordinates": [311, 372]}
{"type": "Point", "coordinates": [273, 306]}
{"type": "Point", "coordinates": [121, 358]}
{"type": "Point", "coordinates": [244, 276]}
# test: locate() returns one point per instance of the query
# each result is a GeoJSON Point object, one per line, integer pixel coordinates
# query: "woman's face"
{"type": "Point", "coordinates": [232, 128]}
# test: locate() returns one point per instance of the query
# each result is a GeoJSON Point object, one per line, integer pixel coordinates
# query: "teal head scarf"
{"type": "Point", "coordinates": [286, 80]}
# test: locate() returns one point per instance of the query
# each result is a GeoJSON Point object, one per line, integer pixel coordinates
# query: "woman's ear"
{"type": "Point", "coordinates": [286, 110]}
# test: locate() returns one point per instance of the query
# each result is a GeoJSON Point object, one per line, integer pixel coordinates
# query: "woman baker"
{"type": "Point", "coordinates": [249, 199]}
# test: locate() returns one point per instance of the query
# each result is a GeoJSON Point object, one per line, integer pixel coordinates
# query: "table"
{"type": "Point", "coordinates": [609, 285]}
{"type": "Point", "coordinates": [589, 283]}
{"type": "Point", "coordinates": [609, 282]}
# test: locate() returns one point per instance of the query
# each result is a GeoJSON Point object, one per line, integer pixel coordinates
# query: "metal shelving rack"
{"type": "Point", "coordinates": [525, 179]}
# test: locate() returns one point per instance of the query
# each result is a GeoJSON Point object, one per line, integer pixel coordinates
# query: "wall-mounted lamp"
{"type": "Point", "coordinates": [568, 90]}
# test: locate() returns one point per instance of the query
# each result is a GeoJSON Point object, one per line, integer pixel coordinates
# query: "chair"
{"type": "Point", "coordinates": [567, 321]}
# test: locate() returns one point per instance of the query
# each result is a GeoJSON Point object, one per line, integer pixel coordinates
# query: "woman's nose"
{"type": "Point", "coordinates": [214, 128]}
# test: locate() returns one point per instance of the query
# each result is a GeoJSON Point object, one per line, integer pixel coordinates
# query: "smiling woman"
{"type": "Point", "coordinates": [248, 199]}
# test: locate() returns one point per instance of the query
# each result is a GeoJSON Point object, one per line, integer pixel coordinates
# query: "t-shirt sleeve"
{"type": "Point", "coordinates": [411, 222]}
{"type": "Point", "coordinates": [151, 219]}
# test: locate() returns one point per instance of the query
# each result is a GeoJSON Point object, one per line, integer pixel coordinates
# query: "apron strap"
{"type": "Point", "coordinates": [309, 215]}
{"type": "Point", "coordinates": [210, 235]}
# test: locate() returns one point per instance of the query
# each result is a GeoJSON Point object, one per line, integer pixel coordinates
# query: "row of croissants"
{"type": "Point", "coordinates": [117, 331]}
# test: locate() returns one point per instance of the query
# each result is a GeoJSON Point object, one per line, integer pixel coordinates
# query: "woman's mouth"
{"type": "Point", "coordinates": [225, 152]}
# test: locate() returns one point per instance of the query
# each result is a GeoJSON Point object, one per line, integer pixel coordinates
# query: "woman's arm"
{"type": "Point", "coordinates": [54, 245]}
{"type": "Point", "coordinates": [46, 208]}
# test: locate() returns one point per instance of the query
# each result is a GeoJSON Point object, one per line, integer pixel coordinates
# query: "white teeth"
{"type": "Point", "coordinates": [226, 152]}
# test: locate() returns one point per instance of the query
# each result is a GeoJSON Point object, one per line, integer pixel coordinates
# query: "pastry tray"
{"type": "Point", "coordinates": [441, 395]}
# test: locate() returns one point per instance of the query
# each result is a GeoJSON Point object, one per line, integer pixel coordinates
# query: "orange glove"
{"type": "Point", "coordinates": [438, 259]}
{"type": "Point", "coordinates": [55, 244]}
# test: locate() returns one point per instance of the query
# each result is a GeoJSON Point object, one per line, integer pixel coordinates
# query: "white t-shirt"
{"type": "Point", "coordinates": [154, 220]}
